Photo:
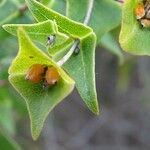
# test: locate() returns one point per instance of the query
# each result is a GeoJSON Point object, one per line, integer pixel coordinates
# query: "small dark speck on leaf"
{"type": "Point", "coordinates": [31, 57]}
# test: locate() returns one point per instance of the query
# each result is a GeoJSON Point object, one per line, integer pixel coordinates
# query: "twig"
{"type": "Point", "coordinates": [76, 42]}
{"type": "Point", "coordinates": [89, 12]}
{"type": "Point", "coordinates": [68, 55]}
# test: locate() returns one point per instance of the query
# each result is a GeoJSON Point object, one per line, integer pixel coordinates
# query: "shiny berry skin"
{"type": "Point", "coordinates": [51, 76]}
{"type": "Point", "coordinates": [35, 73]}
{"type": "Point", "coordinates": [140, 11]}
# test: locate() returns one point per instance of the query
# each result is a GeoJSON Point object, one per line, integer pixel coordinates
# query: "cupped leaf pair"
{"type": "Point", "coordinates": [81, 66]}
{"type": "Point", "coordinates": [39, 101]}
{"type": "Point", "coordinates": [133, 37]}
{"type": "Point", "coordinates": [40, 32]}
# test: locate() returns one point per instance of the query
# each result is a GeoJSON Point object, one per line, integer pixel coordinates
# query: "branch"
{"type": "Point", "coordinates": [69, 54]}
{"type": "Point", "coordinates": [89, 12]}
{"type": "Point", "coordinates": [76, 42]}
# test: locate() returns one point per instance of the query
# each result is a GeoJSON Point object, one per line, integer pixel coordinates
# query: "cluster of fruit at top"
{"type": "Point", "coordinates": [142, 12]}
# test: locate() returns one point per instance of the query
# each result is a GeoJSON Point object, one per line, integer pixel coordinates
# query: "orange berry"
{"type": "Point", "coordinates": [52, 76]}
{"type": "Point", "coordinates": [35, 73]}
{"type": "Point", "coordinates": [140, 11]}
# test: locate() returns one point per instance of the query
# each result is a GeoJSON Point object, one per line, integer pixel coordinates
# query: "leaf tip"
{"type": "Point", "coordinates": [6, 27]}
{"type": "Point", "coordinates": [35, 129]}
{"type": "Point", "coordinates": [94, 107]}
{"type": "Point", "coordinates": [96, 111]}
{"type": "Point", "coordinates": [34, 136]}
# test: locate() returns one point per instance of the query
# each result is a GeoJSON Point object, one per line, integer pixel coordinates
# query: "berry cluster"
{"type": "Point", "coordinates": [38, 72]}
{"type": "Point", "coordinates": [142, 12]}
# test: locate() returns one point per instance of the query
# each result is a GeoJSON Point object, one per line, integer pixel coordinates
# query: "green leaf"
{"type": "Point", "coordinates": [42, 13]}
{"type": "Point", "coordinates": [7, 121]}
{"type": "Point", "coordinates": [109, 41]}
{"type": "Point", "coordinates": [39, 31]}
{"type": "Point", "coordinates": [6, 51]}
{"type": "Point", "coordinates": [11, 13]}
{"type": "Point", "coordinates": [11, 10]}
{"type": "Point", "coordinates": [47, 2]}
{"type": "Point", "coordinates": [58, 51]}
{"type": "Point", "coordinates": [106, 14]}
{"type": "Point", "coordinates": [7, 143]}
{"type": "Point", "coordinates": [3, 34]}
{"type": "Point", "coordinates": [39, 101]}
{"type": "Point", "coordinates": [76, 10]}
{"type": "Point", "coordinates": [133, 38]}
{"type": "Point", "coordinates": [81, 67]}
{"type": "Point", "coordinates": [59, 6]}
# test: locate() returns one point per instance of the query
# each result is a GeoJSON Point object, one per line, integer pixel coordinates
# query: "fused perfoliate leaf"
{"type": "Point", "coordinates": [42, 13]}
{"type": "Point", "coordinates": [134, 38]}
{"type": "Point", "coordinates": [80, 66]}
{"type": "Point", "coordinates": [39, 31]}
{"type": "Point", "coordinates": [40, 101]}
